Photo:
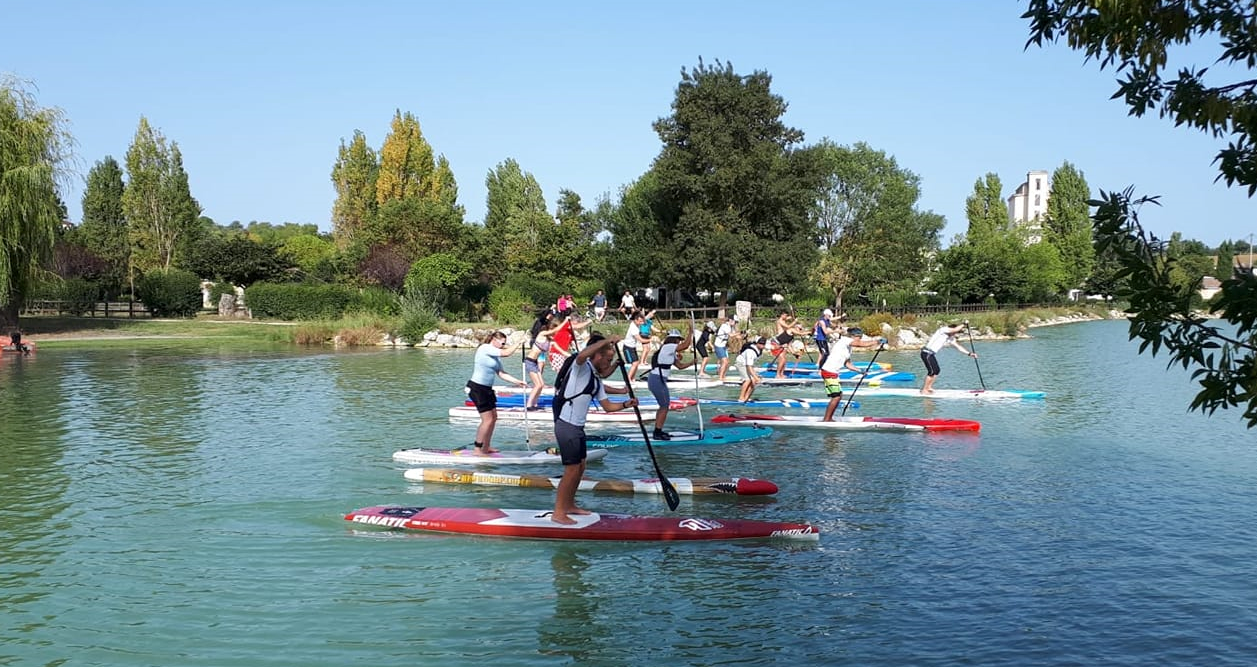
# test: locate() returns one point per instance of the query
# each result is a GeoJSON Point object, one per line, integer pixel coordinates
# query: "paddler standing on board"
{"type": "Point", "coordinates": [946, 335]}
{"type": "Point", "coordinates": [583, 386]}
{"type": "Point", "coordinates": [486, 366]}
{"type": "Point", "coordinates": [746, 367]}
{"type": "Point", "coordinates": [661, 364]}
{"type": "Point", "coordinates": [838, 359]}
{"type": "Point", "coordinates": [786, 329]}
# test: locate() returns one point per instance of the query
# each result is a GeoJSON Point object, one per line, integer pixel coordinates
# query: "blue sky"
{"type": "Point", "coordinates": [258, 95]}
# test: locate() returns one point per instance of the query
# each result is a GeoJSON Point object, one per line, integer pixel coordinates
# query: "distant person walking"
{"type": "Point", "coordinates": [944, 336]}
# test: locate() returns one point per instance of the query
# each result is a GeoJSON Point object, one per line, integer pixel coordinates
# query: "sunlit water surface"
{"type": "Point", "coordinates": [162, 507]}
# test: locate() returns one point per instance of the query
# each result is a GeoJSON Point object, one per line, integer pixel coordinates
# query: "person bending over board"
{"type": "Point", "coordinates": [946, 335]}
{"type": "Point", "coordinates": [661, 365]}
{"type": "Point", "coordinates": [839, 357]}
{"type": "Point", "coordinates": [582, 387]}
{"type": "Point", "coordinates": [746, 367]}
{"type": "Point", "coordinates": [487, 365]}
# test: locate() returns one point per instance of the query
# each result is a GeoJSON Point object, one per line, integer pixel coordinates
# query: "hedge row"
{"type": "Point", "coordinates": [290, 301]}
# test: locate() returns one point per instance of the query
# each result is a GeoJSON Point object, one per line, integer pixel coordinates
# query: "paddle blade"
{"type": "Point", "coordinates": [670, 494]}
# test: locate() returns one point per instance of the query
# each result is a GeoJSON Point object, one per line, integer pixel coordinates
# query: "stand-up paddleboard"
{"type": "Point", "coordinates": [517, 400]}
{"type": "Point", "coordinates": [682, 383]}
{"type": "Point", "coordinates": [853, 423]}
{"type": "Point", "coordinates": [810, 365]}
{"type": "Point", "coordinates": [847, 376]}
{"type": "Point", "coordinates": [978, 394]}
{"type": "Point", "coordinates": [742, 486]}
{"type": "Point", "coordinates": [710, 436]}
{"type": "Point", "coordinates": [536, 524]}
{"type": "Point", "coordinates": [420, 456]}
{"type": "Point", "coordinates": [468, 412]}
{"type": "Point", "coordinates": [810, 403]}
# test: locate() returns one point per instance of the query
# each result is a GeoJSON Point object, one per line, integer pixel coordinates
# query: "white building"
{"type": "Point", "coordinates": [1028, 205]}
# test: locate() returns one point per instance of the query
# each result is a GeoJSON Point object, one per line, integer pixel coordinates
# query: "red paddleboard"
{"type": "Point", "coordinates": [536, 524]}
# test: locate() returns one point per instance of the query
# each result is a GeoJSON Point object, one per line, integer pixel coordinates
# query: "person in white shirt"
{"type": "Point", "coordinates": [633, 343]}
{"type": "Point", "coordinates": [746, 367]}
{"type": "Point", "coordinates": [721, 345]}
{"type": "Point", "coordinates": [839, 358]}
{"type": "Point", "coordinates": [661, 365]}
{"type": "Point", "coordinates": [946, 335]}
{"type": "Point", "coordinates": [583, 387]}
{"type": "Point", "coordinates": [628, 304]}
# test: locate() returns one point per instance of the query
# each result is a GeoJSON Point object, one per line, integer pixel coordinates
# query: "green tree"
{"type": "Point", "coordinates": [157, 202]}
{"type": "Point", "coordinates": [985, 208]}
{"type": "Point", "coordinates": [1068, 224]}
{"type": "Point", "coordinates": [236, 259]}
{"type": "Point", "coordinates": [1224, 263]}
{"type": "Point", "coordinates": [871, 236]}
{"type": "Point", "coordinates": [516, 220]}
{"type": "Point", "coordinates": [103, 230]}
{"type": "Point", "coordinates": [34, 147]}
{"type": "Point", "coordinates": [1134, 37]}
{"type": "Point", "coordinates": [1000, 265]}
{"type": "Point", "coordinates": [311, 253]}
{"type": "Point", "coordinates": [737, 190]}
{"type": "Point", "coordinates": [406, 162]}
{"type": "Point", "coordinates": [354, 176]}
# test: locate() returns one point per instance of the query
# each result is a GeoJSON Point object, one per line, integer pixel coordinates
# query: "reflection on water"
{"type": "Point", "coordinates": [165, 507]}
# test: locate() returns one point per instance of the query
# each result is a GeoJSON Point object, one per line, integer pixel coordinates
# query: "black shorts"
{"type": "Point", "coordinates": [701, 349]}
{"type": "Point", "coordinates": [630, 355]}
{"type": "Point", "coordinates": [484, 398]}
{"type": "Point", "coordinates": [571, 438]}
{"type": "Point", "coordinates": [931, 363]}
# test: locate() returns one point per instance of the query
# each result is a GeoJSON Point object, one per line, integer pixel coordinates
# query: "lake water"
{"type": "Point", "coordinates": [165, 507]}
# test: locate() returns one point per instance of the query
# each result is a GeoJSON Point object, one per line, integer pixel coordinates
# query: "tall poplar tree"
{"type": "Point", "coordinates": [104, 226]}
{"type": "Point", "coordinates": [354, 177]}
{"type": "Point", "coordinates": [157, 202]}
{"type": "Point", "coordinates": [985, 208]}
{"type": "Point", "coordinates": [406, 162]}
{"type": "Point", "coordinates": [516, 220]}
{"type": "Point", "coordinates": [34, 146]}
{"type": "Point", "coordinates": [1068, 224]}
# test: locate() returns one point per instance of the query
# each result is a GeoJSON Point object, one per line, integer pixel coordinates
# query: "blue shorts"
{"type": "Point", "coordinates": [722, 352]}
{"type": "Point", "coordinates": [630, 355]}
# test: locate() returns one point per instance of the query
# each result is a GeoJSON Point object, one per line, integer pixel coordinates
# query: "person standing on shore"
{"type": "Point", "coordinates": [583, 387]}
{"type": "Point", "coordinates": [946, 335]}
{"type": "Point", "coordinates": [486, 366]}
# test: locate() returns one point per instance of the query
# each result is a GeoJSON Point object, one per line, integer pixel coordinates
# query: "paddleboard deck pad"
{"type": "Point", "coordinates": [536, 525]}
{"type": "Point", "coordinates": [468, 456]}
{"type": "Point", "coordinates": [741, 486]}
{"type": "Point", "coordinates": [710, 436]}
{"type": "Point", "coordinates": [853, 423]}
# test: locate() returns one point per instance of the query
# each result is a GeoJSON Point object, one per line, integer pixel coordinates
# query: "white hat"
{"type": "Point", "coordinates": [827, 313]}
{"type": "Point", "coordinates": [674, 333]}
{"type": "Point", "coordinates": [711, 325]}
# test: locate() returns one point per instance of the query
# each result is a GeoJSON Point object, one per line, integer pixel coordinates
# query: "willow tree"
{"type": "Point", "coordinates": [34, 148]}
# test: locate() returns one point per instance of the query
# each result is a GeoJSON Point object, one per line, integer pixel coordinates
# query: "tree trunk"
{"type": "Point", "coordinates": [8, 317]}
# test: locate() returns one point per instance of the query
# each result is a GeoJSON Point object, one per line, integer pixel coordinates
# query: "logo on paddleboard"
{"type": "Point", "coordinates": [700, 524]}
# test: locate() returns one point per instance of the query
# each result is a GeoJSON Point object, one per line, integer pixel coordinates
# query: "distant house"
{"type": "Point", "coordinates": [1209, 286]}
{"type": "Point", "coordinates": [1028, 205]}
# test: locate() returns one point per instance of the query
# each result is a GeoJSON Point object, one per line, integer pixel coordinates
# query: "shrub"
{"type": "Point", "coordinates": [537, 292]}
{"type": "Point", "coordinates": [78, 295]}
{"type": "Point", "coordinates": [299, 302]}
{"type": "Point", "coordinates": [173, 293]}
{"type": "Point", "coordinates": [378, 301]}
{"type": "Point", "coordinates": [419, 316]}
{"type": "Point", "coordinates": [872, 323]}
{"type": "Point", "coordinates": [507, 306]}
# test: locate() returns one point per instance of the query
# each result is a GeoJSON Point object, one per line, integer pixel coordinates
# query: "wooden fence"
{"type": "Point", "coordinates": [127, 309]}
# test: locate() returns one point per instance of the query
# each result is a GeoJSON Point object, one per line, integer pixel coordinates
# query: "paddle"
{"type": "Point", "coordinates": [974, 350]}
{"type": "Point", "coordinates": [523, 362]}
{"type": "Point", "coordinates": [699, 404]}
{"type": "Point", "coordinates": [862, 376]}
{"type": "Point", "coordinates": [670, 494]}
